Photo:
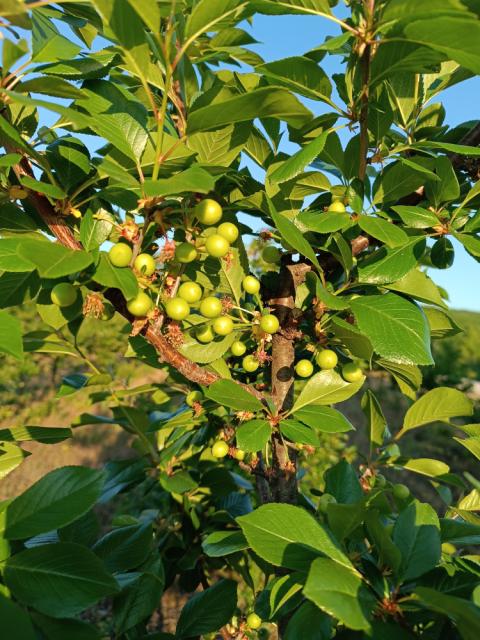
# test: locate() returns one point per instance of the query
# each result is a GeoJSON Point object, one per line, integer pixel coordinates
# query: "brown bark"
{"type": "Point", "coordinates": [282, 479]}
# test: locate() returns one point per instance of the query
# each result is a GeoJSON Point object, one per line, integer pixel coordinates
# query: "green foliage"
{"type": "Point", "coordinates": [354, 218]}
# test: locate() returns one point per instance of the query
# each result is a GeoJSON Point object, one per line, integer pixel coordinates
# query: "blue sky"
{"type": "Point", "coordinates": [282, 36]}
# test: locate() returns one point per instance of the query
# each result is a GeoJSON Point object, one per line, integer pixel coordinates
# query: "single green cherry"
{"type": "Point", "coordinates": [63, 294]}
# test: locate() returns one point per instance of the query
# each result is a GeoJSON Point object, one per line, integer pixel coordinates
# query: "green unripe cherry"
{"type": "Point", "coordinates": [326, 359]}
{"type": "Point", "coordinates": [250, 284]}
{"type": "Point", "coordinates": [223, 326]}
{"type": "Point", "coordinates": [210, 307]}
{"type": "Point", "coordinates": [380, 481]}
{"type": "Point", "coordinates": [254, 621]}
{"type": "Point", "coordinates": [205, 334]}
{"type": "Point", "coordinates": [145, 264]}
{"type": "Point", "coordinates": [63, 294]}
{"type": "Point", "coordinates": [351, 372]}
{"type": "Point", "coordinates": [177, 309]}
{"type": "Point", "coordinates": [401, 491]}
{"type": "Point", "coordinates": [185, 252]}
{"type": "Point", "coordinates": [191, 292]}
{"type": "Point", "coordinates": [238, 348]}
{"type": "Point", "coordinates": [120, 254]}
{"type": "Point", "coordinates": [220, 449]}
{"type": "Point", "coordinates": [229, 231]}
{"type": "Point", "coordinates": [304, 368]}
{"type": "Point", "coordinates": [324, 501]}
{"type": "Point", "coordinates": [239, 454]}
{"type": "Point", "coordinates": [208, 211]}
{"type": "Point", "coordinates": [337, 206]}
{"type": "Point", "coordinates": [217, 246]}
{"type": "Point", "coordinates": [271, 255]}
{"type": "Point", "coordinates": [269, 323]}
{"type": "Point", "coordinates": [193, 397]}
{"type": "Point", "coordinates": [250, 363]}
{"type": "Point", "coordinates": [140, 305]}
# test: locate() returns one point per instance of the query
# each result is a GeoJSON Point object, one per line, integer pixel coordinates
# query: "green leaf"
{"type": "Point", "coordinates": [456, 37]}
{"type": "Point", "coordinates": [17, 288]}
{"type": "Point", "coordinates": [52, 87]}
{"type": "Point", "coordinates": [418, 285]}
{"type": "Point", "coordinates": [115, 277]}
{"type": "Point", "coordinates": [53, 260]}
{"type": "Point", "coordinates": [382, 230]}
{"type": "Point", "coordinates": [324, 419]}
{"type": "Point", "coordinates": [390, 264]}
{"type": "Point", "coordinates": [339, 592]}
{"type": "Point", "coordinates": [397, 329]}
{"type": "Point", "coordinates": [309, 7]}
{"type": "Point", "coordinates": [223, 543]}
{"type": "Point", "coordinates": [395, 181]}
{"type": "Point", "coordinates": [208, 16]}
{"type": "Point", "coordinates": [139, 600]}
{"type": "Point", "coordinates": [426, 467]}
{"type": "Point", "coordinates": [459, 532]}
{"type": "Point", "coordinates": [207, 353]}
{"type": "Point", "coordinates": [416, 217]}
{"type": "Point", "coordinates": [342, 482]}
{"type": "Point", "coordinates": [267, 102]}
{"type": "Point", "coordinates": [298, 161]}
{"type": "Point", "coordinates": [179, 482]}
{"type": "Point", "coordinates": [208, 610]}
{"type": "Point", "coordinates": [47, 43]}
{"type": "Point", "coordinates": [253, 435]}
{"type": "Point", "coordinates": [94, 230]}
{"type": "Point", "coordinates": [36, 576]}
{"type": "Point", "coordinates": [438, 405]}
{"type": "Point", "coordinates": [233, 395]}
{"type": "Point", "coordinates": [323, 222]}
{"type": "Point", "coordinates": [66, 628]}
{"type": "Point", "coordinates": [471, 244]}
{"type": "Point", "coordinates": [16, 622]}
{"type": "Point", "coordinates": [442, 253]}
{"type": "Point", "coordinates": [299, 74]}
{"type": "Point", "coordinates": [11, 336]}
{"type": "Point", "coordinates": [125, 548]}
{"type": "Point", "coordinates": [10, 257]}
{"type": "Point", "coordinates": [50, 190]}
{"type": "Point", "coordinates": [10, 457]}
{"type": "Point", "coordinates": [60, 497]}
{"type": "Point", "coordinates": [45, 435]}
{"type": "Point", "coordinates": [441, 324]}
{"type": "Point", "coordinates": [308, 623]}
{"type": "Point", "coordinates": [221, 146]}
{"type": "Point", "coordinates": [292, 235]}
{"type": "Point", "coordinates": [388, 554]}
{"type": "Point", "coordinates": [465, 614]}
{"type": "Point", "coordinates": [325, 387]}
{"type": "Point", "coordinates": [298, 432]}
{"type": "Point", "coordinates": [288, 536]}
{"type": "Point", "coordinates": [417, 534]}
{"type": "Point", "coordinates": [354, 340]}
{"type": "Point", "coordinates": [407, 376]}
{"type": "Point", "coordinates": [14, 219]}
{"type": "Point", "coordinates": [472, 444]}
{"type": "Point", "coordinates": [193, 179]}
{"type": "Point", "coordinates": [377, 423]}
